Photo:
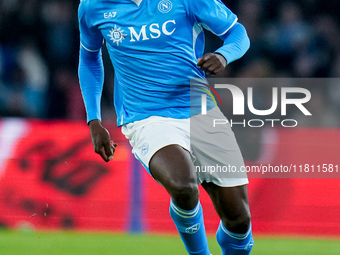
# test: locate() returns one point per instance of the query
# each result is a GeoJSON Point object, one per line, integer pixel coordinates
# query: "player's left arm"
{"type": "Point", "coordinates": [236, 43]}
{"type": "Point", "coordinates": [217, 18]}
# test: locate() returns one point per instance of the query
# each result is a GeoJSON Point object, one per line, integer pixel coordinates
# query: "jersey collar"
{"type": "Point", "coordinates": [138, 2]}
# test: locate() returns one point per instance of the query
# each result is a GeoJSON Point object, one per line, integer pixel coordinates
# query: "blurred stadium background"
{"type": "Point", "coordinates": [51, 181]}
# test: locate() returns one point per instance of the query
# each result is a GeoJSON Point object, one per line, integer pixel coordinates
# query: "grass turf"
{"type": "Point", "coordinates": [56, 243]}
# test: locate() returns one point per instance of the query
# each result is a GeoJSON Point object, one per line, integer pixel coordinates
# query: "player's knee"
{"type": "Point", "coordinates": [239, 224]}
{"type": "Point", "coordinates": [184, 194]}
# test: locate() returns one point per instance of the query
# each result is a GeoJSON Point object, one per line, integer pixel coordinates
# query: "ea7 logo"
{"type": "Point", "coordinates": [152, 31]}
{"type": "Point", "coordinates": [108, 15]}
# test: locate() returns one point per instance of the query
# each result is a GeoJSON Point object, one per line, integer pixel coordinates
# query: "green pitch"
{"type": "Point", "coordinates": [71, 243]}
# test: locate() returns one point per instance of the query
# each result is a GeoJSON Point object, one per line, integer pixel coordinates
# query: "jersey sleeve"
{"type": "Point", "coordinates": [236, 43]}
{"type": "Point", "coordinates": [213, 15]}
{"type": "Point", "coordinates": [216, 17]}
{"type": "Point", "coordinates": [90, 69]}
{"type": "Point", "coordinates": [90, 37]}
{"type": "Point", "coordinates": [91, 79]}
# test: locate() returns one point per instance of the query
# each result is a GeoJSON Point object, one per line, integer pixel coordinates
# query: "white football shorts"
{"type": "Point", "coordinates": [215, 152]}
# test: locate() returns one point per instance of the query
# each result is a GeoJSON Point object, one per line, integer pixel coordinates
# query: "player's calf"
{"type": "Point", "coordinates": [190, 226]}
{"type": "Point", "coordinates": [184, 193]}
{"type": "Point", "coordinates": [237, 224]}
{"type": "Point", "coordinates": [233, 243]}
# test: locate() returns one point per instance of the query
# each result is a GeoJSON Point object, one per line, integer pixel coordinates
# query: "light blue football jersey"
{"type": "Point", "coordinates": [154, 46]}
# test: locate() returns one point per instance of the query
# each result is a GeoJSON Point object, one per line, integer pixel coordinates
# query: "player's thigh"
{"type": "Point", "coordinates": [172, 166]}
{"type": "Point", "coordinates": [162, 145]}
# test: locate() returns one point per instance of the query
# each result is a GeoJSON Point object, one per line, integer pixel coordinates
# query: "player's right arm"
{"type": "Point", "coordinates": [91, 79]}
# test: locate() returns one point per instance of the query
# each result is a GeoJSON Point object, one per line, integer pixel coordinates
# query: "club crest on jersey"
{"type": "Point", "coordinates": [165, 6]}
{"type": "Point", "coordinates": [117, 35]}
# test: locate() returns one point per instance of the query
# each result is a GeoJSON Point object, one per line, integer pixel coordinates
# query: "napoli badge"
{"type": "Point", "coordinates": [165, 6]}
{"type": "Point", "coordinates": [144, 149]}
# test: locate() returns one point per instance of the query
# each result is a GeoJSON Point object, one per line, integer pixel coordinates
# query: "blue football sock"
{"type": "Point", "coordinates": [232, 243]}
{"type": "Point", "coordinates": [191, 228]}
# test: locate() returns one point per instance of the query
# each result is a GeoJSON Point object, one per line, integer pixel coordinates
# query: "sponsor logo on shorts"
{"type": "Point", "coordinates": [144, 149]}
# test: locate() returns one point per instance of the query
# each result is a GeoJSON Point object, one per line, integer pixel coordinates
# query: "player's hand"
{"type": "Point", "coordinates": [101, 140]}
{"type": "Point", "coordinates": [212, 63]}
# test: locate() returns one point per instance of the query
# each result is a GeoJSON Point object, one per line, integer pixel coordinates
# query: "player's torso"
{"type": "Point", "coordinates": [152, 48]}
{"type": "Point", "coordinates": [154, 25]}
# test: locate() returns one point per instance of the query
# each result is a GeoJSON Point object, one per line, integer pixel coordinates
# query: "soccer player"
{"type": "Point", "coordinates": [156, 48]}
